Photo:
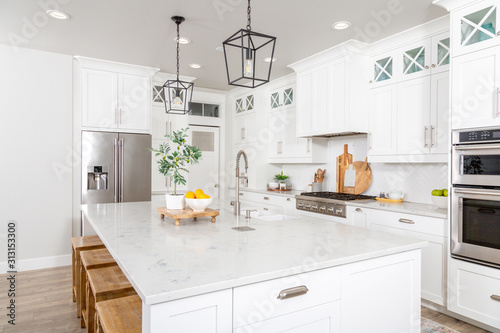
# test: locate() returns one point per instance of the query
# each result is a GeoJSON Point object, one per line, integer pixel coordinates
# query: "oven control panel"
{"type": "Point", "coordinates": [322, 207]}
{"type": "Point", "coordinates": [490, 135]}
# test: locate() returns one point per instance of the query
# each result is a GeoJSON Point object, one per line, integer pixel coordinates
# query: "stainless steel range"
{"type": "Point", "coordinates": [328, 203]}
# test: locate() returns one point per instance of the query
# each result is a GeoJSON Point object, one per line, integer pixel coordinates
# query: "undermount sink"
{"type": "Point", "coordinates": [278, 217]}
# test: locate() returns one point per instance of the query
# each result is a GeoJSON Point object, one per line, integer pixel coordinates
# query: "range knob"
{"type": "Point", "coordinates": [330, 210]}
{"type": "Point", "coordinates": [308, 206]}
{"type": "Point", "coordinates": [322, 209]}
{"type": "Point", "coordinates": [339, 211]}
{"type": "Point", "coordinates": [300, 205]}
{"type": "Point", "coordinates": [315, 207]}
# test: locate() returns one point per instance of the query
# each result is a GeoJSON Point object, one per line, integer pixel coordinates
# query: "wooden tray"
{"type": "Point", "coordinates": [178, 214]}
{"type": "Point", "coordinates": [389, 200]}
{"type": "Point", "coordinates": [278, 190]}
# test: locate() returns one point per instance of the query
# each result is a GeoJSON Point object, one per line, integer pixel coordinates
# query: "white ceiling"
{"type": "Point", "coordinates": [141, 32]}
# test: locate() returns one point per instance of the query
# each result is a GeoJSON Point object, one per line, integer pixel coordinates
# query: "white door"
{"type": "Point", "coordinates": [440, 113]}
{"type": "Point", "coordinates": [383, 108]}
{"type": "Point", "coordinates": [99, 98]}
{"type": "Point", "coordinates": [205, 175]}
{"type": "Point", "coordinates": [415, 60]}
{"type": "Point", "coordinates": [413, 127]}
{"type": "Point", "coordinates": [135, 102]}
{"type": "Point", "coordinates": [475, 92]}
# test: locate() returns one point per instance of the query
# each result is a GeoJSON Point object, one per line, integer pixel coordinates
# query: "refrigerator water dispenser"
{"type": "Point", "coordinates": [97, 178]}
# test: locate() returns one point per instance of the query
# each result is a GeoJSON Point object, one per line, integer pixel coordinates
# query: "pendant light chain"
{"type": "Point", "coordinates": [178, 37]}
{"type": "Point", "coordinates": [249, 17]}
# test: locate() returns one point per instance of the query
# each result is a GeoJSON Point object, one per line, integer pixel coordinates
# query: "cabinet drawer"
{"type": "Point", "coordinates": [257, 302]}
{"type": "Point", "coordinates": [267, 199]}
{"type": "Point", "coordinates": [475, 292]}
{"type": "Point", "coordinates": [428, 225]}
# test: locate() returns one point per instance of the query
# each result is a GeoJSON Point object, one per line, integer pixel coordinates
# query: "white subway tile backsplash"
{"type": "Point", "coordinates": [416, 180]}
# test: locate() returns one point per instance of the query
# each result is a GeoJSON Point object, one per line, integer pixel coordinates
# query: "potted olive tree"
{"type": "Point", "coordinates": [175, 155]}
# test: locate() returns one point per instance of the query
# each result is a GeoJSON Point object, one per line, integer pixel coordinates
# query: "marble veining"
{"type": "Point", "coordinates": [404, 207]}
{"type": "Point", "coordinates": [164, 262]}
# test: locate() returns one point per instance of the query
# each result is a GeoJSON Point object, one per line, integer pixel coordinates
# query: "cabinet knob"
{"type": "Point", "coordinates": [426, 67]}
{"type": "Point", "coordinates": [433, 65]}
{"type": "Point", "coordinates": [370, 81]}
{"type": "Point", "coordinates": [288, 199]}
{"type": "Point", "coordinates": [498, 33]}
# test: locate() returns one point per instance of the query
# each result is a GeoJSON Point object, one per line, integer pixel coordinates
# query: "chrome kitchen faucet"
{"type": "Point", "coordinates": [238, 177]}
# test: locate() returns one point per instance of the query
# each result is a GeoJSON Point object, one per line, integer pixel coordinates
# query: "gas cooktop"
{"type": "Point", "coordinates": [328, 203]}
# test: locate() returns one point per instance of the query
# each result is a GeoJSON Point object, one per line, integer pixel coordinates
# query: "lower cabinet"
{"type": "Point", "coordinates": [274, 204]}
{"type": "Point", "coordinates": [474, 292]}
{"type": "Point", "coordinates": [431, 229]}
{"type": "Point", "coordinates": [375, 295]}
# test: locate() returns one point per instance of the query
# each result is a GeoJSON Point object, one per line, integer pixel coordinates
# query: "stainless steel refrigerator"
{"type": "Point", "coordinates": [116, 167]}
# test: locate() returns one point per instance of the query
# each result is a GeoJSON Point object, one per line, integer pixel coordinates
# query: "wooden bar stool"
{"type": "Point", "coordinates": [80, 244]}
{"type": "Point", "coordinates": [91, 260]}
{"type": "Point", "coordinates": [104, 284]}
{"type": "Point", "coordinates": [121, 315]}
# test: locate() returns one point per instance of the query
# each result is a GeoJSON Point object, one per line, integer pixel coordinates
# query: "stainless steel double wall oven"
{"type": "Point", "coordinates": [475, 197]}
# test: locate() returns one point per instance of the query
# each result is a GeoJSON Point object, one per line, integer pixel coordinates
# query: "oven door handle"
{"type": "Point", "coordinates": [476, 147]}
{"type": "Point", "coordinates": [478, 192]}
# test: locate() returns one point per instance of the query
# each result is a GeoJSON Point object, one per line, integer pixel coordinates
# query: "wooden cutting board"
{"type": "Point", "coordinates": [363, 178]}
{"type": "Point", "coordinates": [178, 214]}
{"type": "Point", "coordinates": [343, 162]}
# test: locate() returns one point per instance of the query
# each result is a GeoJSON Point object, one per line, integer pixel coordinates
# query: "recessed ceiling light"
{"type": "Point", "coordinates": [270, 60]}
{"type": "Point", "coordinates": [341, 25]}
{"type": "Point", "coordinates": [219, 49]}
{"type": "Point", "coordinates": [183, 40]}
{"type": "Point", "coordinates": [195, 66]}
{"type": "Point", "coordinates": [57, 14]}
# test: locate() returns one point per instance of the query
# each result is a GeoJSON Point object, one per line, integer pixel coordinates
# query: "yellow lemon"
{"type": "Point", "coordinates": [198, 193]}
{"type": "Point", "coordinates": [190, 195]}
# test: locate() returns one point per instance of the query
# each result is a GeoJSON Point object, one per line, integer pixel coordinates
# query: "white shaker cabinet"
{"type": "Point", "coordinates": [476, 89]}
{"type": "Point", "coordinates": [440, 49]}
{"type": "Point", "coordinates": [113, 101]}
{"type": "Point", "coordinates": [475, 27]}
{"type": "Point", "coordinates": [383, 69]}
{"type": "Point", "coordinates": [383, 118]}
{"type": "Point", "coordinates": [415, 60]}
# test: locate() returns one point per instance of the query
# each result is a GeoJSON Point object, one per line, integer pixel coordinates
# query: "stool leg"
{"type": "Point", "coordinates": [77, 284]}
{"type": "Point", "coordinates": [83, 294]}
{"type": "Point", "coordinates": [90, 309]}
{"type": "Point", "coordinates": [73, 291]}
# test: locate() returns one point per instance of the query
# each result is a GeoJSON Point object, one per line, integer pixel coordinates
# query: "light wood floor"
{"type": "Point", "coordinates": [44, 304]}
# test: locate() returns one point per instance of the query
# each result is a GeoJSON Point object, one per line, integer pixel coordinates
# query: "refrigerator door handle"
{"type": "Point", "coordinates": [115, 166]}
{"type": "Point", "coordinates": [121, 168]}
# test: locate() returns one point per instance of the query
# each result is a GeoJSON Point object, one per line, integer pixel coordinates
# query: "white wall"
{"type": "Point", "coordinates": [416, 180]}
{"type": "Point", "coordinates": [35, 145]}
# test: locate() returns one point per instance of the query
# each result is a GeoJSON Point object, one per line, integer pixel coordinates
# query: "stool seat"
{"type": "Point", "coordinates": [80, 244]}
{"type": "Point", "coordinates": [121, 315]}
{"type": "Point", "coordinates": [92, 259]}
{"type": "Point", "coordinates": [104, 284]}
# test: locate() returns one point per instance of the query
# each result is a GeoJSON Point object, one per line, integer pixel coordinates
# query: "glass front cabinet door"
{"type": "Point", "coordinates": [476, 27]}
{"type": "Point", "coordinates": [440, 57]}
{"type": "Point", "coordinates": [383, 69]}
{"type": "Point", "coordinates": [415, 60]}
{"type": "Point", "coordinates": [283, 97]}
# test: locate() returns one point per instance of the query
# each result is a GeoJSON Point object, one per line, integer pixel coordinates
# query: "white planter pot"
{"type": "Point", "coordinates": [175, 201]}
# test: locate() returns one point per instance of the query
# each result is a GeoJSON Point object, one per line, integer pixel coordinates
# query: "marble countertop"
{"type": "Point", "coordinates": [403, 207]}
{"type": "Point", "coordinates": [164, 262]}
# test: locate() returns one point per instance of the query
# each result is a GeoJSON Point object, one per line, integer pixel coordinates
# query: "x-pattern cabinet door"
{"type": "Point", "coordinates": [476, 27]}
{"type": "Point", "coordinates": [383, 69]}
{"type": "Point", "coordinates": [415, 60]}
{"type": "Point", "coordinates": [440, 57]}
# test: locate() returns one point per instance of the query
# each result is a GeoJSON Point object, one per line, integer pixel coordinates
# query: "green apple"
{"type": "Point", "coordinates": [445, 192]}
{"type": "Point", "coordinates": [437, 193]}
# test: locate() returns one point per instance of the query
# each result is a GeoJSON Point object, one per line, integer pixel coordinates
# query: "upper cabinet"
{"type": "Point", "coordinates": [475, 27]}
{"type": "Point", "coordinates": [281, 98]}
{"type": "Point", "coordinates": [383, 69]}
{"type": "Point", "coordinates": [415, 60]}
{"type": "Point", "coordinates": [440, 53]}
{"type": "Point", "coordinates": [113, 96]}
{"type": "Point", "coordinates": [244, 103]}
{"type": "Point", "coordinates": [332, 93]}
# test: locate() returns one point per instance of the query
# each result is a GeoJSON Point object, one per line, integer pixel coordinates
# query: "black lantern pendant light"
{"type": "Point", "coordinates": [241, 51]}
{"type": "Point", "coordinates": [178, 93]}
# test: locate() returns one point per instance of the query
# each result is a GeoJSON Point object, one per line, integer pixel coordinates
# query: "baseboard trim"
{"type": "Point", "coordinates": [38, 263]}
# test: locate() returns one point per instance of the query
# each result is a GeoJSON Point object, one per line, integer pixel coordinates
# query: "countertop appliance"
{"type": "Point", "coordinates": [475, 197]}
{"type": "Point", "coordinates": [328, 203]}
{"type": "Point", "coordinates": [116, 167]}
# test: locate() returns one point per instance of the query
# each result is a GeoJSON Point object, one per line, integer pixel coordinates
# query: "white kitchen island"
{"type": "Point", "coordinates": [206, 277]}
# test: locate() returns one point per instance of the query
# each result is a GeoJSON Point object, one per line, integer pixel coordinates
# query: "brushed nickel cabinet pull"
{"type": "Point", "coordinates": [288, 199]}
{"type": "Point", "coordinates": [425, 136]}
{"type": "Point", "coordinates": [359, 210]}
{"type": "Point", "coordinates": [292, 292]}
{"type": "Point", "coordinates": [266, 198]}
{"type": "Point", "coordinates": [495, 298]}
{"type": "Point", "coordinates": [406, 221]}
